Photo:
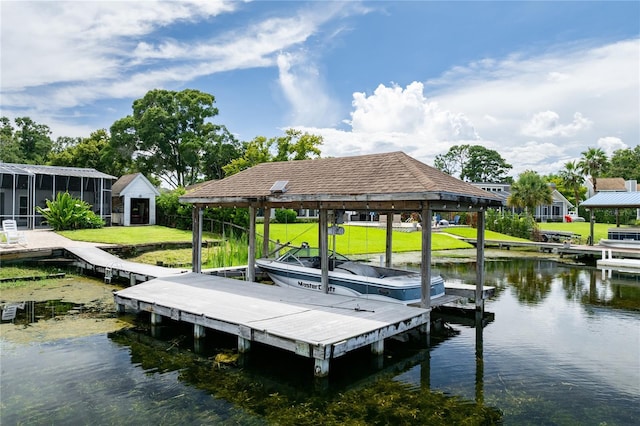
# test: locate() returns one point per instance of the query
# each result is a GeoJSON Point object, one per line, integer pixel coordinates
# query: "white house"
{"type": "Point", "coordinates": [134, 201]}
{"type": "Point", "coordinates": [556, 211]}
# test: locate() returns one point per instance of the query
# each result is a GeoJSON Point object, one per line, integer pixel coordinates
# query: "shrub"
{"type": "Point", "coordinates": [174, 214]}
{"type": "Point", "coordinates": [170, 212]}
{"type": "Point", "coordinates": [66, 212]}
{"type": "Point", "coordinates": [522, 226]}
{"type": "Point", "coordinates": [286, 216]}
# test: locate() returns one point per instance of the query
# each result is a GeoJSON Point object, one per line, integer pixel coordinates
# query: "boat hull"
{"type": "Point", "coordinates": [405, 289]}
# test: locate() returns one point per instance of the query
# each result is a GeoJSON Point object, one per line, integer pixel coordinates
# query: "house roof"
{"type": "Point", "coordinates": [610, 184]}
{"type": "Point", "coordinates": [377, 181]}
{"type": "Point", "coordinates": [124, 181]}
{"type": "Point", "coordinates": [606, 200]}
{"type": "Point", "coordinates": [33, 169]}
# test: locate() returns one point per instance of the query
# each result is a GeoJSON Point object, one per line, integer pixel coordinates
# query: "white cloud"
{"type": "Point", "coordinates": [397, 119]}
{"type": "Point", "coordinates": [516, 106]}
{"type": "Point", "coordinates": [547, 124]}
{"type": "Point", "coordinates": [72, 55]}
{"type": "Point", "coordinates": [53, 42]}
{"type": "Point", "coordinates": [306, 92]}
{"type": "Point", "coordinates": [610, 144]}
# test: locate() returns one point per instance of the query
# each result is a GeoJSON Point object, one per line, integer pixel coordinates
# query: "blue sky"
{"type": "Point", "coordinates": [539, 82]}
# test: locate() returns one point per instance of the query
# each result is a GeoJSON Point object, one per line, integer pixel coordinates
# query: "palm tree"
{"type": "Point", "coordinates": [593, 163]}
{"type": "Point", "coordinates": [529, 191]}
{"type": "Point", "coordinates": [572, 179]}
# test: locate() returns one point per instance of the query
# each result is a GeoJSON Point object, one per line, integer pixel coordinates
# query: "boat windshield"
{"type": "Point", "coordinates": [302, 253]}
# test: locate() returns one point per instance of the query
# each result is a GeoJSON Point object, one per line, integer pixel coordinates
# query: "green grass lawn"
{"type": "Point", "coordinates": [582, 228]}
{"type": "Point", "coordinates": [133, 235]}
{"type": "Point", "coordinates": [360, 239]}
{"type": "Point", "coordinates": [488, 235]}
{"type": "Point", "coordinates": [356, 239]}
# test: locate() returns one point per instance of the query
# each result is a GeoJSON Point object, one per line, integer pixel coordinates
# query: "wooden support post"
{"type": "Point", "coordinates": [132, 279]}
{"type": "Point", "coordinates": [265, 241]}
{"type": "Point", "coordinates": [196, 249]}
{"type": "Point", "coordinates": [480, 262]}
{"type": "Point", "coordinates": [321, 368]}
{"type": "Point", "coordinates": [592, 222]}
{"type": "Point", "coordinates": [251, 267]}
{"type": "Point", "coordinates": [389, 241]}
{"type": "Point", "coordinates": [377, 348]}
{"type": "Point", "coordinates": [156, 318]}
{"type": "Point", "coordinates": [425, 267]}
{"type": "Point", "coordinates": [244, 345]}
{"type": "Point", "coordinates": [324, 249]}
{"type": "Point", "coordinates": [199, 331]}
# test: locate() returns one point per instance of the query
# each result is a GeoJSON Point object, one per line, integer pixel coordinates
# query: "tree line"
{"type": "Point", "coordinates": [173, 139]}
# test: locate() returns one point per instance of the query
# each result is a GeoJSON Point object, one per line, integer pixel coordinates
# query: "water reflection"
{"type": "Point", "coordinates": [29, 312]}
{"type": "Point", "coordinates": [562, 348]}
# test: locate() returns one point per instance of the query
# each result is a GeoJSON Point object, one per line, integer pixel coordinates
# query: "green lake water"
{"type": "Point", "coordinates": [563, 348]}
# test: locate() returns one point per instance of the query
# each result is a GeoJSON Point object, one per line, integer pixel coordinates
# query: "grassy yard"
{"type": "Point", "coordinates": [582, 228]}
{"type": "Point", "coordinates": [488, 235]}
{"type": "Point", "coordinates": [360, 239]}
{"type": "Point", "coordinates": [133, 235]}
{"type": "Point", "coordinates": [356, 240]}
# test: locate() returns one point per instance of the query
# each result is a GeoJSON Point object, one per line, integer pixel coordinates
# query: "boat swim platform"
{"type": "Point", "coordinates": [310, 324]}
{"type": "Point", "coordinates": [101, 262]}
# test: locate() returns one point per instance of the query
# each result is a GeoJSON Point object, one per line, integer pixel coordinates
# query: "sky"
{"type": "Point", "coordinates": [538, 82]}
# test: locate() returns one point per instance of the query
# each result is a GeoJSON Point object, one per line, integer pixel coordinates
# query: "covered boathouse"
{"type": "Point", "coordinates": [389, 183]}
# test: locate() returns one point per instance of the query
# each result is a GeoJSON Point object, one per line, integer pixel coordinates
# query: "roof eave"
{"type": "Point", "coordinates": [395, 201]}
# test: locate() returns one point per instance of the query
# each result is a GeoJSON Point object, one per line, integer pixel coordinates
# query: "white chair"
{"type": "Point", "coordinates": [11, 233]}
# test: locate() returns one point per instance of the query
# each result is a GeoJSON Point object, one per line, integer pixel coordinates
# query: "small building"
{"type": "Point", "coordinates": [554, 212]}
{"type": "Point", "coordinates": [557, 210]}
{"type": "Point", "coordinates": [23, 187]}
{"type": "Point", "coordinates": [608, 185]}
{"type": "Point", "coordinates": [134, 201]}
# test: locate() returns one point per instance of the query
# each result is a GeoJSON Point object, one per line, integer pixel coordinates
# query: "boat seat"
{"type": "Point", "coordinates": [357, 268]}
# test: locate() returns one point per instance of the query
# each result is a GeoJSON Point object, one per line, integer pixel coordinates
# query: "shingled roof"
{"type": "Point", "coordinates": [390, 180]}
{"type": "Point", "coordinates": [610, 184]}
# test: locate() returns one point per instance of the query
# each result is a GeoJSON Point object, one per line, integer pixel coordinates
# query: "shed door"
{"type": "Point", "coordinates": [139, 211]}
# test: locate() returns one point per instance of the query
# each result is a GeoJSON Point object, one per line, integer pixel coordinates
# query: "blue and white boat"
{"type": "Point", "coordinates": [300, 268]}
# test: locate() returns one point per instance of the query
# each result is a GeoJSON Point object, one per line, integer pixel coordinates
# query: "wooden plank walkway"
{"type": "Point", "coordinates": [314, 325]}
{"type": "Point", "coordinates": [97, 260]}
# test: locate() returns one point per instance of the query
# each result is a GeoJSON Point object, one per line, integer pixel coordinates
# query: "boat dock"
{"type": "Point", "coordinates": [314, 325]}
{"type": "Point", "coordinates": [562, 249]}
{"type": "Point", "coordinates": [608, 261]}
{"type": "Point", "coordinates": [100, 262]}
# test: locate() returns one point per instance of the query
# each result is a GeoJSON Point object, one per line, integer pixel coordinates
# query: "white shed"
{"type": "Point", "coordinates": [134, 201]}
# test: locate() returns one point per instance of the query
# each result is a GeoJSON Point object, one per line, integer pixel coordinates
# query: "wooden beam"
{"type": "Point", "coordinates": [389, 241]}
{"type": "Point", "coordinates": [196, 250]}
{"type": "Point", "coordinates": [323, 245]}
{"type": "Point", "coordinates": [480, 262]}
{"type": "Point", "coordinates": [251, 267]}
{"type": "Point", "coordinates": [426, 258]}
{"type": "Point", "coordinates": [265, 241]}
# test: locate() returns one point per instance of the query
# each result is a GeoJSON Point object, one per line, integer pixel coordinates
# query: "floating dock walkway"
{"type": "Point", "coordinates": [99, 261]}
{"type": "Point", "coordinates": [313, 325]}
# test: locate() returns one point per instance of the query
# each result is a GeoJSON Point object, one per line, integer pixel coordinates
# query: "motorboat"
{"type": "Point", "coordinates": [300, 268]}
{"type": "Point", "coordinates": [620, 244]}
